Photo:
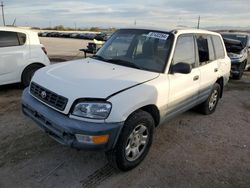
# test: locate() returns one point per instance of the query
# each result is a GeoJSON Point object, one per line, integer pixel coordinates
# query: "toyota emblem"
{"type": "Point", "coordinates": [43, 94]}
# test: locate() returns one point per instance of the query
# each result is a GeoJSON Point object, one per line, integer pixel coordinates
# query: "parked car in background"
{"type": "Point", "coordinates": [238, 49]}
{"type": "Point", "coordinates": [40, 34]}
{"type": "Point", "coordinates": [139, 79]}
{"type": "Point", "coordinates": [65, 35]}
{"type": "Point", "coordinates": [103, 36]}
{"type": "Point", "coordinates": [73, 35]}
{"type": "Point", "coordinates": [53, 34]}
{"type": "Point", "coordinates": [44, 34]}
{"type": "Point", "coordinates": [21, 55]}
{"type": "Point", "coordinates": [89, 36]}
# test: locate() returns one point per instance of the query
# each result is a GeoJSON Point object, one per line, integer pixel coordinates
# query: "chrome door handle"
{"type": "Point", "coordinates": [196, 78]}
{"type": "Point", "coordinates": [216, 70]}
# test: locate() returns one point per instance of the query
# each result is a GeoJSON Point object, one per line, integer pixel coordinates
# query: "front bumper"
{"type": "Point", "coordinates": [235, 69]}
{"type": "Point", "coordinates": [237, 65]}
{"type": "Point", "coordinates": [63, 129]}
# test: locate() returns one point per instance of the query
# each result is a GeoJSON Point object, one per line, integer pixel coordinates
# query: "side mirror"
{"type": "Point", "coordinates": [183, 68]}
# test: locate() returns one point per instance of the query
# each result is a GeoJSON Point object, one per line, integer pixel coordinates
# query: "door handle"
{"type": "Point", "coordinates": [216, 70]}
{"type": "Point", "coordinates": [196, 78]}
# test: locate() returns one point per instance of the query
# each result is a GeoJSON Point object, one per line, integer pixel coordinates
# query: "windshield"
{"type": "Point", "coordinates": [140, 49]}
{"type": "Point", "coordinates": [240, 37]}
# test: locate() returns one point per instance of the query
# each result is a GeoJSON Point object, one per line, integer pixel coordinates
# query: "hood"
{"type": "Point", "coordinates": [233, 46]}
{"type": "Point", "coordinates": [89, 78]}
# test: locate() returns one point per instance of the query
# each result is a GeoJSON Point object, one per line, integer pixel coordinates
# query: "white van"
{"type": "Point", "coordinates": [21, 54]}
{"type": "Point", "coordinates": [139, 79]}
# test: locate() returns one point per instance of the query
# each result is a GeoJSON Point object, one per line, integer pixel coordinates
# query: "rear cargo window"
{"type": "Point", "coordinates": [21, 38]}
{"type": "Point", "coordinates": [211, 49]}
{"type": "Point", "coordinates": [218, 46]}
{"type": "Point", "coordinates": [8, 39]}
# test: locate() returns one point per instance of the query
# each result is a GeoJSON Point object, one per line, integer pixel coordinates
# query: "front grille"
{"type": "Point", "coordinates": [49, 97]}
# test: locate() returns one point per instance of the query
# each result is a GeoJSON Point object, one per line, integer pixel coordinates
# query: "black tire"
{"type": "Point", "coordinates": [205, 107]}
{"type": "Point", "coordinates": [28, 74]}
{"type": "Point", "coordinates": [117, 157]}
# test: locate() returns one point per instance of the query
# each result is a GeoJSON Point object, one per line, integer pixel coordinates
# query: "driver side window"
{"type": "Point", "coordinates": [185, 50]}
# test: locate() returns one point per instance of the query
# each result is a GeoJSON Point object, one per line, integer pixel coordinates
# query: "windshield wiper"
{"type": "Point", "coordinates": [123, 62]}
{"type": "Point", "coordinates": [99, 58]}
{"type": "Point", "coordinates": [117, 61]}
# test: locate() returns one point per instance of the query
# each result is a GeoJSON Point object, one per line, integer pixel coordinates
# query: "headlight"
{"type": "Point", "coordinates": [93, 110]}
{"type": "Point", "coordinates": [238, 56]}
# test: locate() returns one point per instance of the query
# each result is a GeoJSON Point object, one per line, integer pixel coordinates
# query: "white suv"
{"type": "Point", "coordinates": [21, 54]}
{"type": "Point", "coordinates": [139, 79]}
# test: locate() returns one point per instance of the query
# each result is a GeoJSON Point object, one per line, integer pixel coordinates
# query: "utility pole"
{"type": "Point", "coordinates": [198, 26]}
{"type": "Point", "coordinates": [2, 5]}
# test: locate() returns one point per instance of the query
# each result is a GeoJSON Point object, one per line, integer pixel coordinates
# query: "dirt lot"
{"type": "Point", "coordinates": [192, 150]}
{"type": "Point", "coordinates": [60, 49]}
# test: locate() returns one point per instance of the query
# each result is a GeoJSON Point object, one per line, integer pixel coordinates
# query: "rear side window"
{"type": "Point", "coordinates": [205, 49]}
{"type": "Point", "coordinates": [21, 38]}
{"type": "Point", "coordinates": [185, 50]}
{"type": "Point", "coordinates": [218, 46]}
{"type": "Point", "coordinates": [202, 44]}
{"type": "Point", "coordinates": [8, 39]}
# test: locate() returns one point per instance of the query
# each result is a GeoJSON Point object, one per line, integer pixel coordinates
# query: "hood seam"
{"type": "Point", "coordinates": [125, 89]}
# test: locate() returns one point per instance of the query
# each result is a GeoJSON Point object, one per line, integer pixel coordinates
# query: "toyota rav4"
{"type": "Point", "coordinates": [139, 79]}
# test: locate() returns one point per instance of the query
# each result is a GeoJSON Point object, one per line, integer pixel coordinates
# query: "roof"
{"type": "Point", "coordinates": [16, 29]}
{"type": "Point", "coordinates": [177, 30]}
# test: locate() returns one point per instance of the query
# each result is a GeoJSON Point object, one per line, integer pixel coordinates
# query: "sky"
{"type": "Point", "coordinates": [111, 13]}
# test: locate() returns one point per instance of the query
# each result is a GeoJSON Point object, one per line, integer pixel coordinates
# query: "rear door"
{"type": "Point", "coordinates": [208, 64]}
{"type": "Point", "coordinates": [12, 53]}
{"type": "Point", "coordinates": [183, 87]}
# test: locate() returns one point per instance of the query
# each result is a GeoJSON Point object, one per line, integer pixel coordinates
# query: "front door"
{"type": "Point", "coordinates": [183, 87]}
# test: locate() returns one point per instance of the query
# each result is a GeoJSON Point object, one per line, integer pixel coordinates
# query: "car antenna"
{"type": "Point", "coordinates": [198, 26]}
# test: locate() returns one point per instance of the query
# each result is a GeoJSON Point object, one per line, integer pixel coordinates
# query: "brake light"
{"type": "Point", "coordinates": [44, 50]}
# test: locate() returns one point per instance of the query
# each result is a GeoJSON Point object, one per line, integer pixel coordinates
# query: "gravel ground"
{"type": "Point", "coordinates": [191, 150]}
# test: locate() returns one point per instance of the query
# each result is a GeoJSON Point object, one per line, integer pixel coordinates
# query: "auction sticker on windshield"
{"type": "Point", "coordinates": [162, 36]}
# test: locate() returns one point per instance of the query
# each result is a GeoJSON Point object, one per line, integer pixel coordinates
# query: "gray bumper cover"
{"type": "Point", "coordinates": [63, 129]}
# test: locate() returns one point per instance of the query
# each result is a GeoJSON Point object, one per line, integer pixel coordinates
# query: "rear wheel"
{"type": "Point", "coordinates": [209, 106]}
{"type": "Point", "coordinates": [28, 74]}
{"type": "Point", "coordinates": [134, 142]}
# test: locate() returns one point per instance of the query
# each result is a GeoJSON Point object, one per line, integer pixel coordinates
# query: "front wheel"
{"type": "Point", "coordinates": [209, 106]}
{"type": "Point", "coordinates": [134, 142]}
